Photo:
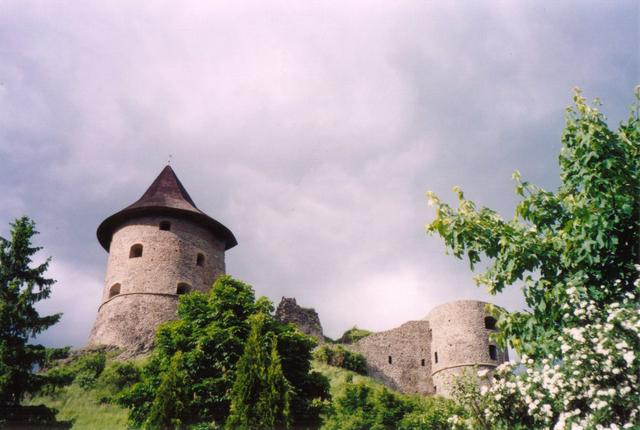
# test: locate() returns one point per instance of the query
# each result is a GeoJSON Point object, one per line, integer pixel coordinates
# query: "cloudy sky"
{"type": "Point", "coordinates": [311, 129]}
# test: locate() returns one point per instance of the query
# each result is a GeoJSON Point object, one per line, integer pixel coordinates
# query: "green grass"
{"type": "Point", "coordinates": [353, 335]}
{"type": "Point", "coordinates": [83, 409]}
{"type": "Point", "coordinates": [339, 377]}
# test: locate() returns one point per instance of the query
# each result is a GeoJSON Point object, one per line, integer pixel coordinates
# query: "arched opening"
{"type": "Point", "coordinates": [135, 251]}
{"type": "Point", "coordinates": [422, 362]}
{"type": "Point", "coordinates": [200, 259]}
{"type": "Point", "coordinates": [165, 225]}
{"type": "Point", "coordinates": [490, 323]}
{"type": "Point", "coordinates": [114, 290]}
{"type": "Point", "coordinates": [183, 288]}
{"type": "Point", "coordinates": [493, 352]}
{"type": "Point", "coordinates": [390, 360]}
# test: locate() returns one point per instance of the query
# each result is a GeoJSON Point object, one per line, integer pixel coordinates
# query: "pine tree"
{"type": "Point", "coordinates": [21, 287]}
{"type": "Point", "coordinates": [212, 331]}
{"type": "Point", "coordinates": [171, 399]}
{"type": "Point", "coordinates": [260, 394]}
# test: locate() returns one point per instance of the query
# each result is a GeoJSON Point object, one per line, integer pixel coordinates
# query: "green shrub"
{"type": "Point", "coordinates": [338, 356]}
{"type": "Point", "coordinates": [116, 377]}
{"type": "Point", "coordinates": [428, 413]}
{"type": "Point", "coordinates": [83, 369]}
{"type": "Point", "coordinates": [363, 407]}
{"type": "Point", "coordinates": [119, 375]}
{"type": "Point", "coordinates": [353, 335]}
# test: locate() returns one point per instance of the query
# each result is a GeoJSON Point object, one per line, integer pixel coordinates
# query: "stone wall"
{"type": "Point", "coordinates": [168, 258]}
{"type": "Point", "coordinates": [305, 319]}
{"type": "Point", "coordinates": [399, 357]}
{"type": "Point", "coordinates": [129, 321]}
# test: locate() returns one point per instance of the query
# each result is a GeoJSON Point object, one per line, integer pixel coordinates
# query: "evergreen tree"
{"type": "Point", "coordinates": [170, 400]}
{"type": "Point", "coordinates": [21, 287]}
{"type": "Point", "coordinates": [260, 394]}
{"type": "Point", "coordinates": [212, 334]}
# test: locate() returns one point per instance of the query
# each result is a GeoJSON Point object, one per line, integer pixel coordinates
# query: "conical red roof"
{"type": "Point", "coordinates": [166, 195]}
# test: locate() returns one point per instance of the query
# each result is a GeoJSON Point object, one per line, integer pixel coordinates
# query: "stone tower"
{"type": "Point", "coordinates": [460, 340]}
{"type": "Point", "coordinates": [159, 247]}
{"type": "Point", "coordinates": [425, 356]}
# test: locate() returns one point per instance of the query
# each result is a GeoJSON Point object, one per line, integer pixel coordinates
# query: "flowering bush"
{"type": "Point", "coordinates": [593, 383]}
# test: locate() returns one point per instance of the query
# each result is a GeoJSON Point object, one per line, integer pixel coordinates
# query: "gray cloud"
{"type": "Point", "coordinates": [311, 129]}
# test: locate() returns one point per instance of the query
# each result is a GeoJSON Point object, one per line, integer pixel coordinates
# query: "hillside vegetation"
{"type": "Point", "coordinates": [89, 403]}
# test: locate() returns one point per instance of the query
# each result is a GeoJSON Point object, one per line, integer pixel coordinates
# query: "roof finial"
{"type": "Point", "coordinates": [169, 161]}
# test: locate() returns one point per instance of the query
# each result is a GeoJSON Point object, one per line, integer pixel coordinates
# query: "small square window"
{"type": "Point", "coordinates": [165, 225]}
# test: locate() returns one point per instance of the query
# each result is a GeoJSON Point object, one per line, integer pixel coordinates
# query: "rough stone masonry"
{"type": "Point", "coordinates": [305, 319]}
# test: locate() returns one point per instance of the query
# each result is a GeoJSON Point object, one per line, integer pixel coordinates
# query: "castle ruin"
{"type": "Point", "coordinates": [163, 246]}
{"type": "Point", "coordinates": [425, 356]}
{"type": "Point", "coordinates": [305, 319]}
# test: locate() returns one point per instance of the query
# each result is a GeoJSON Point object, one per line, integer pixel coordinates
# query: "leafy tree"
{"type": "Point", "coordinates": [586, 234]}
{"type": "Point", "coordinates": [211, 333]}
{"type": "Point", "coordinates": [21, 287]}
{"type": "Point", "coordinates": [260, 394]}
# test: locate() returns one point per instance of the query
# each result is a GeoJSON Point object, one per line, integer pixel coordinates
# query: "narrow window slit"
{"type": "Point", "coordinates": [493, 352]}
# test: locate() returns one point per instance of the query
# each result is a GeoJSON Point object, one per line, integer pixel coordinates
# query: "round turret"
{"type": "Point", "coordinates": [160, 247]}
{"type": "Point", "coordinates": [459, 341]}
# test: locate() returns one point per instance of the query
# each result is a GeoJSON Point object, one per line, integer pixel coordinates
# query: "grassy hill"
{"type": "Point", "coordinates": [87, 408]}
{"type": "Point", "coordinates": [358, 401]}
{"type": "Point", "coordinates": [83, 408]}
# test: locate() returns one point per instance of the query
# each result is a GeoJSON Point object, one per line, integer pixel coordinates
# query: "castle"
{"type": "Point", "coordinates": [163, 246]}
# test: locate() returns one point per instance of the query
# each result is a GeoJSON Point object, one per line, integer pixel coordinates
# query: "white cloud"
{"type": "Point", "coordinates": [312, 129]}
